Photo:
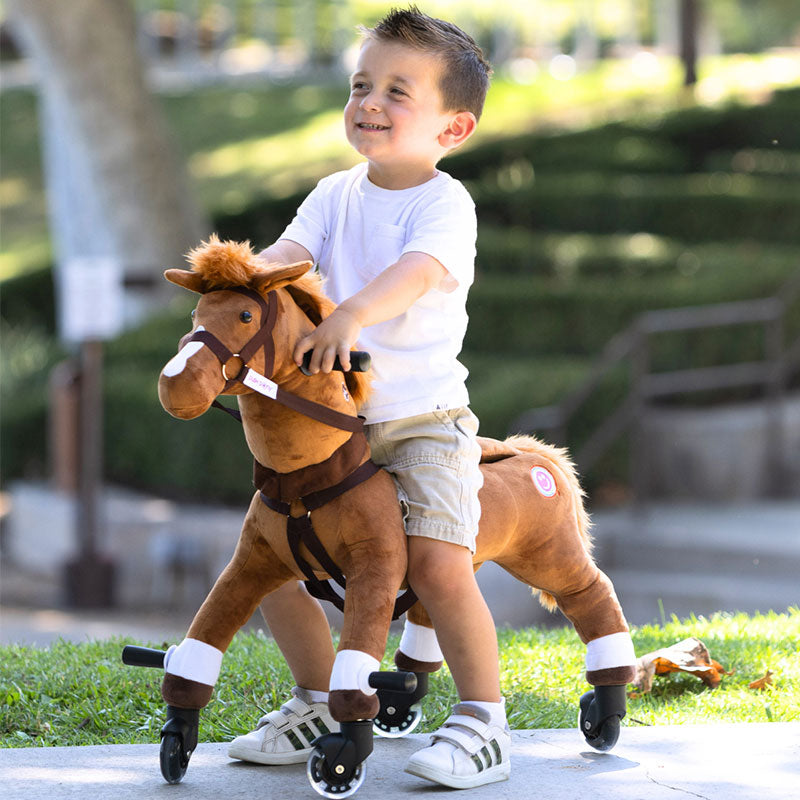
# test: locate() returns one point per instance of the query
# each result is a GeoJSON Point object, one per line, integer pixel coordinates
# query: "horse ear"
{"type": "Point", "coordinates": [186, 278]}
{"type": "Point", "coordinates": [277, 275]}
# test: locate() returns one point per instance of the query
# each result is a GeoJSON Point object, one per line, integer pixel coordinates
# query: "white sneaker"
{"type": "Point", "coordinates": [285, 736]}
{"type": "Point", "coordinates": [467, 751]}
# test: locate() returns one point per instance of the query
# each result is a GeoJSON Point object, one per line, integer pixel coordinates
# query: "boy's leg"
{"type": "Point", "coordinates": [442, 575]}
{"type": "Point", "coordinates": [301, 631]}
{"type": "Point", "coordinates": [473, 746]}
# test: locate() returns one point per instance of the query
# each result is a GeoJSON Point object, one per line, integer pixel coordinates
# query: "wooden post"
{"type": "Point", "coordinates": [89, 578]}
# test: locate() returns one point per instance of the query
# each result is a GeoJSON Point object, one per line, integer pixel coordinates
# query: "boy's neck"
{"type": "Point", "coordinates": [400, 177]}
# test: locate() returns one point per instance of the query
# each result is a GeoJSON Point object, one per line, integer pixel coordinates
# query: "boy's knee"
{"type": "Point", "coordinates": [437, 566]}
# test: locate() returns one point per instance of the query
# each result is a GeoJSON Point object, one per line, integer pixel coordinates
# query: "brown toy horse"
{"type": "Point", "coordinates": [313, 457]}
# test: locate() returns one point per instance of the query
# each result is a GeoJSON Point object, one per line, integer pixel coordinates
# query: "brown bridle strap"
{"type": "Point", "coordinates": [260, 383]}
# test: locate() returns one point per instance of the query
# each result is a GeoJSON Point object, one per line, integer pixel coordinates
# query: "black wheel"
{"type": "Point", "coordinates": [602, 736]}
{"type": "Point", "coordinates": [326, 783]}
{"type": "Point", "coordinates": [174, 760]}
{"type": "Point", "coordinates": [392, 725]}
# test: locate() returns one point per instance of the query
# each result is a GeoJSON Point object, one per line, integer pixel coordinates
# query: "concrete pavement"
{"type": "Point", "coordinates": [719, 762]}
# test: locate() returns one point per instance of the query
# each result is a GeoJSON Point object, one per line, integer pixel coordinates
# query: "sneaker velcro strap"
{"type": "Point", "coordinates": [295, 705]}
{"type": "Point", "coordinates": [468, 733]}
{"type": "Point", "coordinates": [470, 723]}
{"type": "Point", "coordinates": [287, 714]}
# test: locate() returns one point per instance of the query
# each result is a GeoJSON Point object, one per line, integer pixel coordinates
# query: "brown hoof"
{"type": "Point", "coordinates": [408, 664]}
{"type": "Point", "coordinates": [349, 705]}
{"type": "Point", "coordinates": [613, 676]}
{"type": "Point", "coordinates": [183, 693]}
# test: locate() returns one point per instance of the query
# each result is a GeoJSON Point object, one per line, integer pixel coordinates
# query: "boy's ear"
{"type": "Point", "coordinates": [461, 127]}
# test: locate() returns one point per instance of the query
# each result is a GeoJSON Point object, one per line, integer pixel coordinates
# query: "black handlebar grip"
{"type": "Point", "coordinates": [393, 681]}
{"type": "Point", "coordinates": [360, 361]}
{"type": "Point", "coordinates": [135, 656]}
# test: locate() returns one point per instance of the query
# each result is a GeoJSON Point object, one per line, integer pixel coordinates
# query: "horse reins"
{"type": "Point", "coordinates": [263, 384]}
{"type": "Point", "coordinates": [298, 529]}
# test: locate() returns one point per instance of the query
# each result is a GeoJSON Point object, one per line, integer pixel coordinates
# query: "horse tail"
{"type": "Point", "coordinates": [559, 457]}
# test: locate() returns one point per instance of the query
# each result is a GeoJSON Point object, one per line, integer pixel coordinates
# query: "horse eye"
{"type": "Point", "coordinates": [246, 316]}
{"type": "Point", "coordinates": [194, 311]}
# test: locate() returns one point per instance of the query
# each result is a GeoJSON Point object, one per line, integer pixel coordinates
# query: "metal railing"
{"type": "Point", "coordinates": [781, 360]}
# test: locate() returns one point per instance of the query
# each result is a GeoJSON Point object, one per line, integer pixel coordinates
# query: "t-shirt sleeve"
{"type": "Point", "coordinates": [310, 226]}
{"type": "Point", "coordinates": [447, 230]}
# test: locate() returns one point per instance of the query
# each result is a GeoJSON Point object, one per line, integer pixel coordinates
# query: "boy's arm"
{"type": "Point", "coordinates": [386, 296]}
{"type": "Point", "coordinates": [285, 251]}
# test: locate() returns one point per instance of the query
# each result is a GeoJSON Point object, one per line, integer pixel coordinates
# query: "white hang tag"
{"type": "Point", "coordinates": [260, 384]}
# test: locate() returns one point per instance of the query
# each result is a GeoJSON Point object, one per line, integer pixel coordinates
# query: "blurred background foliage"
{"type": "Point", "coordinates": [603, 188]}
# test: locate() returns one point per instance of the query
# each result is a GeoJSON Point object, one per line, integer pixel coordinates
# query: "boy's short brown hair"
{"type": "Point", "coordinates": [464, 79]}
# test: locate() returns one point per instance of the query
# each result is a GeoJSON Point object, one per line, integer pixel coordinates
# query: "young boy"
{"type": "Point", "coordinates": [395, 240]}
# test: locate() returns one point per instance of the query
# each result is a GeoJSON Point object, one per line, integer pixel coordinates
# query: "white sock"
{"type": "Point", "coordinates": [496, 710]}
{"type": "Point", "coordinates": [317, 697]}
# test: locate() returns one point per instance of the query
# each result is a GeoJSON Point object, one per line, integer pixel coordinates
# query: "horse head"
{"type": "Point", "coordinates": [247, 321]}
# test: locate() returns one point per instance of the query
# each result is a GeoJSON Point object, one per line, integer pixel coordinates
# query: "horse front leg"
{"type": "Point", "coordinates": [192, 667]}
{"type": "Point", "coordinates": [371, 551]}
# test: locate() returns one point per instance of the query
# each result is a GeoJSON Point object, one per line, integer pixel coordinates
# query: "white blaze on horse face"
{"type": "Point", "coordinates": [177, 363]}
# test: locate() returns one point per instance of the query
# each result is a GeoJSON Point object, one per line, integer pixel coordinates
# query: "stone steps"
{"type": "Point", "coordinates": [692, 559]}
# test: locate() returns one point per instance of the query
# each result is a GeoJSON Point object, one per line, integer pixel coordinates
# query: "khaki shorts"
{"type": "Point", "coordinates": [434, 460]}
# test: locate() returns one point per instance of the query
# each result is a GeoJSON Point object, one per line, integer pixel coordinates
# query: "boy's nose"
{"type": "Point", "coordinates": [369, 102]}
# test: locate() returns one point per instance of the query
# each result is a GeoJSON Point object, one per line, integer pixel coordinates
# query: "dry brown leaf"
{"type": "Point", "coordinates": [689, 655]}
{"type": "Point", "coordinates": [762, 683]}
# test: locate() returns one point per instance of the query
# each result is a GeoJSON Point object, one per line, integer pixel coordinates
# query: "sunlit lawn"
{"type": "Point", "coordinates": [242, 143]}
{"type": "Point", "coordinates": [76, 694]}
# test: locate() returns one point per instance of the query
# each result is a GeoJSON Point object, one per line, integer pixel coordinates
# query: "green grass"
{"type": "Point", "coordinates": [81, 694]}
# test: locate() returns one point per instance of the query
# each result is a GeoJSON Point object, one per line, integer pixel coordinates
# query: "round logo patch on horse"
{"type": "Point", "coordinates": [543, 481]}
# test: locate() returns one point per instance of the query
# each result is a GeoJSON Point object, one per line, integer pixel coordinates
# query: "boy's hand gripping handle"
{"type": "Point", "coordinates": [360, 361]}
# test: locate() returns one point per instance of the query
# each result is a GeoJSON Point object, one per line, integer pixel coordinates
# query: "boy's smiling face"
{"type": "Point", "coordinates": [394, 117]}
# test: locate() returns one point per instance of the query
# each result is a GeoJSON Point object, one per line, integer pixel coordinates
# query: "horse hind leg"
{"type": "Point", "coordinates": [401, 712]}
{"type": "Point", "coordinates": [419, 649]}
{"type": "Point", "coordinates": [565, 574]}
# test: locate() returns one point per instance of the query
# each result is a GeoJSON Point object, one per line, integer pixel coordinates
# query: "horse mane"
{"type": "Point", "coordinates": [225, 264]}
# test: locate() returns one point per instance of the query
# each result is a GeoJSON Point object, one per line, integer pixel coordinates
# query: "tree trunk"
{"type": "Point", "coordinates": [688, 33]}
{"type": "Point", "coordinates": [115, 187]}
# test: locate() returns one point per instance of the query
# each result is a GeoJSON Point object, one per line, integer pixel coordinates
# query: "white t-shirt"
{"type": "Point", "coordinates": [354, 230]}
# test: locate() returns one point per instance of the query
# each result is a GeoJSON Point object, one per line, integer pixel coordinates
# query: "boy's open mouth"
{"type": "Point", "coordinates": [371, 126]}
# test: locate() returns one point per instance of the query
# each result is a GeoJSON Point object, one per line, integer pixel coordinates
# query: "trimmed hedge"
{"type": "Point", "coordinates": [535, 316]}
{"type": "Point", "coordinates": [697, 207]}
{"type": "Point", "coordinates": [579, 232]}
{"type": "Point", "coordinates": [570, 257]}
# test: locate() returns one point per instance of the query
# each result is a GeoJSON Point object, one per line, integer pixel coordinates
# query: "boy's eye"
{"type": "Point", "coordinates": [396, 90]}
{"type": "Point", "coordinates": [359, 87]}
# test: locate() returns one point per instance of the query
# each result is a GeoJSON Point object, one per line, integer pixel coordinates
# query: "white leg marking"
{"type": "Point", "coordinates": [614, 650]}
{"type": "Point", "coordinates": [195, 661]}
{"type": "Point", "coordinates": [420, 643]}
{"type": "Point", "coordinates": [351, 670]}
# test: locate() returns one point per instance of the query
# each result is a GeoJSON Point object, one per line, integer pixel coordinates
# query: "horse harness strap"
{"type": "Point", "coordinates": [261, 383]}
{"type": "Point", "coordinates": [300, 530]}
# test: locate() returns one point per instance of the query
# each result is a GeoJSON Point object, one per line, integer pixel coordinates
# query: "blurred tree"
{"type": "Point", "coordinates": [115, 185]}
{"type": "Point", "coordinates": [688, 40]}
